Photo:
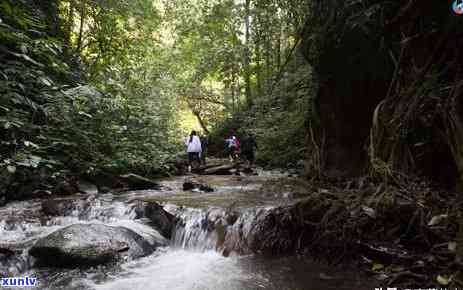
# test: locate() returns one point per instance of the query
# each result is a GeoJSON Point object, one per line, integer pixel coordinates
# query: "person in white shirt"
{"type": "Point", "coordinates": [193, 144]}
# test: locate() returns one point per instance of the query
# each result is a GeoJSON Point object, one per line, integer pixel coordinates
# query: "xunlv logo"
{"type": "Point", "coordinates": [18, 281]}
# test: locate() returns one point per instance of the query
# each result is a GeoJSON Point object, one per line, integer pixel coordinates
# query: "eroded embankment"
{"type": "Point", "coordinates": [404, 236]}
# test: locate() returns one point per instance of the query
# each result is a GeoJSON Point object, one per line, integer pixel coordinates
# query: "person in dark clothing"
{"type": "Point", "coordinates": [204, 144]}
{"type": "Point", "coordinates": [248, 147]}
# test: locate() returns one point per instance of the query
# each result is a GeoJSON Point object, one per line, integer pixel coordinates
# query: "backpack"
{"type": "Point", "coordinates": [237, 143]}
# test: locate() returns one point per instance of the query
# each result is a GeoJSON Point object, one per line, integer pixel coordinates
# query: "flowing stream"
{"type": "Point", "coordinates": [191, 261]}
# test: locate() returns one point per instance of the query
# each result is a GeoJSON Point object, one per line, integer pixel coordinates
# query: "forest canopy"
{"type": "Point", "coordinates": [93, 86]}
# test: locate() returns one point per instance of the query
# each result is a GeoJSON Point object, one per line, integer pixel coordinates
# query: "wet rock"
{"type": "Point", "coordinates": [65, 187]}
{"type": "Point", "coordinates": [206, 188]}
{"type": "Point", "coordinates": [63, 207]}
{"type": "Point", "coordinates": [21, 191]}
{"type": "Point", "coordinates": [104, 189]}
{"type": "Point", "coordinates": [12, 262]}
{"type": "Point", "coordinates": [89, 245]}
{"type": "Point", "coordinates": [247, 170]}
{"type": "Point", "coordinates": [231, 217]}
{"type": "Point", "coordinates": [189, 185]}
{"type": "Point", "coordinates": [160, 219]}
{"type": "Point", "coordinates": [5, 180]}
{"type": "Point", "coordinates": [13, 223]}
{"type": "Point", "coordinates": [87, 188]}
{"type": "Point", "coordinates": [42, 193]}
{"type": "Point", "coordinates": [137, 182]}
{"type": "Point", "coordinates": [289, 195]}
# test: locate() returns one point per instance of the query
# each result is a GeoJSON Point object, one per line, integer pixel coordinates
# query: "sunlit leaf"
{"type": "Point", "coordinates": [46, 81]}
{"type": "Point", "coordinates": [377, 267]}
{"type": "Point", "coordinates": [85, 114]}
{"type": "Point", "coordinates": [435, 220]}
{"type": "Point", "coordinates": [30, 144]}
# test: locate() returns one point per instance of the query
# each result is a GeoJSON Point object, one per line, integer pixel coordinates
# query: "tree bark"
{"type": "Point", "coordinates": [201, 121]}
{"type": "Point", "coordinates": [247, 57]}
{"type": "Point", "coordinates": [258, 68]}
{"type": "Point", "coordinates": [82, 22]}
{"type": "Point", "coordinates": [67, 30]}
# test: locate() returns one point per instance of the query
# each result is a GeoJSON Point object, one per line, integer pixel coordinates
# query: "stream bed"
{"type": "Point", "coordinates": [190, 261]}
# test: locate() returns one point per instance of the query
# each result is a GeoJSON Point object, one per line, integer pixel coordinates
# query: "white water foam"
{"type": "Point", "coordinates": [182, 270]}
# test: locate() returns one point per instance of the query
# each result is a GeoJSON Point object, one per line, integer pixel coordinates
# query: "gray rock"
{"type": "Point", "coordinates": [104, 189]}
{"type": "Point", "coordinates": [160, 219]}
{"type": "Point", "coordinates": [63, 207]}
{"type": "Point", "coordinates": [65, 187]}
{"type": "Point", "coordinates": [137, 182]}
{"type": "Point", "coordinates": [86, 187]}
{"type": "Point", "coordinates": [41, 193]}
{"type": "Point", "coordinates": [189, 185]}
{"type": "Point", "coordinates": [89, 245]}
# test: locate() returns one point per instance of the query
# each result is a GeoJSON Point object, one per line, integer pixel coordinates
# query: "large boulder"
{"type": "Point", "coordinates": [89, 245]}
{"type": "Point", "coordinates": [137, 182]}
{"type": "Point", "coordinates": [160, 219]}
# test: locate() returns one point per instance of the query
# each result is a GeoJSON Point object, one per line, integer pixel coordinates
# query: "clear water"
{"type": "Point", "coordinates": [192, 261]}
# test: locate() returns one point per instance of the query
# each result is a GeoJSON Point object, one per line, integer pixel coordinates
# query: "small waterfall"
{"type": "Point", "coordinates": [198, 229]}
{"type": "Point", "coordinates": [22, 223]}
{"type": "Point", "coordinates": [216, 229]}
{"type": "Point", "coordinates": [210, 247]}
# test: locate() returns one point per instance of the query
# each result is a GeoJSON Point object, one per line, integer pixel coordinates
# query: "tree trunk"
{"type": "Point", "coordinates": [82, 22]}
{"type": "Point", "coordinates": [258, 67]}
{"type": "Point", "coordinates": [278, 48]}
{"type": "Point", "coordinates": [51, 12]}
{"type": "Point", "coordinates": [232, 89]}
{"type": "Point", "coordinates": [68, 28]}
{"type": "Point", "coordinates": [201, 121]}
{"type": "Point", "coordinates": [247, 57]}
{"type": "Point", "coordinates": [268, 74]}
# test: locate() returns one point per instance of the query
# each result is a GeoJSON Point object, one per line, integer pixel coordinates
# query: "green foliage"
{"type": "Point", "coordinates": [279, 121]}
{"type": "Point", "coordinates": [90, 87]}
{"type": "Point", "coordinates": [49, 129]}
{"type": "Point", "coordinates": [31, 78]}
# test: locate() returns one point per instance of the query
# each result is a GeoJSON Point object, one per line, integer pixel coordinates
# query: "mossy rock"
{"type": "Point", "coordinates": [89, 245]}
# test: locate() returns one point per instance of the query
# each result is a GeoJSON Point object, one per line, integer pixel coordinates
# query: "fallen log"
{"type": "Point", "coordinates": [220, 170]}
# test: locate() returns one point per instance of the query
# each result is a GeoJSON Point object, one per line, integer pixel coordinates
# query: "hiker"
{"type": "Point", "coordinates": [204, 146]}
{"type": "Point", "coordinates": [193, 148]}
{"type": "Point", "coordinates": [232, 147]}
{"type": "Point", "coordinates": [248, 147]}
